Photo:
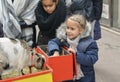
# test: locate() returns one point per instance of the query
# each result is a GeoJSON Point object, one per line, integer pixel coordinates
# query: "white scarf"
{"type": "Point", "coordinates": [73, 44]}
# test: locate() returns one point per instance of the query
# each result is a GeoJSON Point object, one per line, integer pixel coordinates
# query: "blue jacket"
{"type": "Point", "coordinates": [97, 30]}
{"type": "Point", "coordinates": [87, 55]}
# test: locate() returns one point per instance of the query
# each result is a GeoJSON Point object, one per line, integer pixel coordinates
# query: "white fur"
{"type": "Point", "coordinates": [61, 32]}
{"type": "Point", "coordinates": [16, 53]}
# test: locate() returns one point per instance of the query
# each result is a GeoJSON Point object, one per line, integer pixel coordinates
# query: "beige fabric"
{"type": "Point", "coordinates": [73, 45]}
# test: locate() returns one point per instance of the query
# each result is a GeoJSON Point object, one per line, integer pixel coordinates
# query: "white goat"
{"type": "Point", "coordinates": [15, 53]}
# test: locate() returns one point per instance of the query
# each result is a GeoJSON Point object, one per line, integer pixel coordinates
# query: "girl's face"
{"type": "Point", "coordinates": [49, 6]}
{"type": "Point", "coordinates": [73, 29]}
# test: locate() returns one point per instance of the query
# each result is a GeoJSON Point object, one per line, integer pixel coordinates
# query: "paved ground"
{"type": "Point", "coordinates": [108, 66]}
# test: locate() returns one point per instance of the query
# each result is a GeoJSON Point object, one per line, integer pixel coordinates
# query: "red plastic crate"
{"type": "Point", "coordinates": [64, 66]}
{"type": "Point", "coordinates": [45, 75]}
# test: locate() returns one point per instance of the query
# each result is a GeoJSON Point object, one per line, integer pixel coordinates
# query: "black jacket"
{"type": "Point", "coordinates": [48, 23]}
{"type": "Point", "coordinates": [91, 9]}
{"type": "Point", "coordinates": [1, 30]}
{"type": "Point", "coordinates": [97, 8]}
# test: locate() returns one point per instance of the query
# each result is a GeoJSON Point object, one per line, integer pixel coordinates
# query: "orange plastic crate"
{"type": "Point", "coordinates": [64, 66]}
{"type": "Point", "coordinates": [42, 76]}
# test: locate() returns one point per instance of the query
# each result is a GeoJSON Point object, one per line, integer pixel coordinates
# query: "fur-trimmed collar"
{"type": "Point", "coordinates": [61, 31]}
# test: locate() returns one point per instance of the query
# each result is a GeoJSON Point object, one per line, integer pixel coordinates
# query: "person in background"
{"type": "Point", "coordinates": [1, 30]}
{"type": "Point", "coordinates": [10, 22]}
{"type": "Point", "coordinates": [97, 9]}
{"type": "Point", "coordinates": [1, 17]}
{"type": "Point", "coordinates": [25, 11]}
{"type": "Point", "coordinates": [19, 20]}
{"type": "Point", "coordinates": [82, 7]}
{"type": "Point", "coordinates": [49, 15]}
{"type": "Point", "coordinates": [80, 42]}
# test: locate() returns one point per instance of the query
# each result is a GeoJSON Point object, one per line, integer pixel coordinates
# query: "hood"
{"type": "Point", "coordinates": [61, 31]}
{"type": "Point", "coordinates": [87, 31]}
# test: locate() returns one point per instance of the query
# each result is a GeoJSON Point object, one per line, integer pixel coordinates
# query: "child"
{"type": "Point", "coordinates": [91, 9]}
{"type": "Point", "coordinates": [81, 43]}
{"type": "Point", "coordinates": [49, 15]}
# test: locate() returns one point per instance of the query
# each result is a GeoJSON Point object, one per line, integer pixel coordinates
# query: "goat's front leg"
{"type": "Point", "coordinates": [0, 77]}
{"type": "Point", "coordinates": [1, 71]}
{"type": "Point", "coordinates": [30, 69]}
{"type": "Point", "coordinates": [20, 71]}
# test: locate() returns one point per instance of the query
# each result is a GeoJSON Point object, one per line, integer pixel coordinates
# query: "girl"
{"type": "Point", "coordinates": [49, 15]}
{"type": "Point", "coordinates": [81, 43]}
{"type": "Point", "coordinates": [91, 9]}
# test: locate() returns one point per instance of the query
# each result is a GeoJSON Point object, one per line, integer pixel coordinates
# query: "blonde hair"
{"type": "Point", "coordinates": [80, 19]}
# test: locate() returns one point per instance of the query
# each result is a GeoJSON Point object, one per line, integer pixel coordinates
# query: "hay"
{"type": "Point", "coordinates": [15, 73]}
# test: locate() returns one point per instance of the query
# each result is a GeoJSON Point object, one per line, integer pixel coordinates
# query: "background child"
{"type": "Point", "coordinates": [81, 43]}
{"type": "Point", "coordinates": [49, 15]}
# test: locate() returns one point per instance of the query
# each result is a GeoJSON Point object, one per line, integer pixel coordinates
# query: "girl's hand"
{"type": "Point", "coordinates": [71, 50]}
{"type": "Point", "coordinates": [56, 53]}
